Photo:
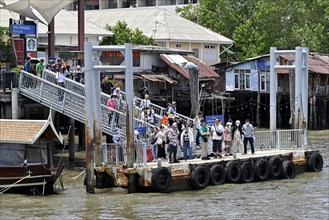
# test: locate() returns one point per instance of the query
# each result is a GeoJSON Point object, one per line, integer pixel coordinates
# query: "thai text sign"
{"type": "Point", "coordinates": [19, 50]}
{"type": "Point", "coordinates": [210, 119]}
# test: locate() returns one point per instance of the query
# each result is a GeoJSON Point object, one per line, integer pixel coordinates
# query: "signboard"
{"type": "Point", "coordinates": [19, 50]}
{"type": "Point", "coordinates": [18, 27]}
{"type": "Point", "coordinates": [31, 44]}
{"type": "Point", "coordinates": [141, 130]}
{"type": "Point", "coordinates": [22, 29]}
{"type": "Point", "coordinates": [210, 119]}
{"type": "Point", "coordinates": [164, 120]}
{"type": "Point", "coordinates": [68, 55]}
{"type": "Point", "coordinates": [31, 54]}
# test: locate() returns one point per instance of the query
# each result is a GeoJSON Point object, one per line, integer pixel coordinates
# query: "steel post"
{"type": "Point", "coordinates": [89, 123]}
{"type": "Point", "coordinates": [129, 87]}
{"type": "Point", "coordinates": [273, 85]}
{"type": "Point", "coordinates": [298, 86]}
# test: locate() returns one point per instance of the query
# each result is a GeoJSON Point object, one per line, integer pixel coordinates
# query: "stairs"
{"type": "Point", "coordinates": [70, 101]}
{"type": "Point", "coordinates": [46, 92]}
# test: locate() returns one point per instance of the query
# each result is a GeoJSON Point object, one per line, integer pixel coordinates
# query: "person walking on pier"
{"type": "Point", "coordinates": [161, 143]}
{"type": "Point", "coordinates": [186, 141]}
{"type": "Point", "coordinates": [204, 135]}
{"type": "Point", "coordinates": [217, 136]}
{"type": "Point", "coordinates": [196, 126]}
{"type": "Point", "coordinates": [228, 138]}
{"type": "Point", "coordinates": [173, 143]}
{"type": "Point", "coordinates": [237, 138]}
{"type": "Point", "coordinates": [248, 132]}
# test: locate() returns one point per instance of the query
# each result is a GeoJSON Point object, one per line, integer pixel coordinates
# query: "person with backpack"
{"type": "Point", "coordinates": [248, 132]}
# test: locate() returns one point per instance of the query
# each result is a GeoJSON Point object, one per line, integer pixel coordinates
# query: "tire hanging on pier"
{"type": "Point", "coordinates": [200, 177]}
{"type": "Point", "coordinates": [233, 171]}
{"type": "Point", "coordinates": [275, 164]}
{"type": "Point", "coordinates": [315, 162]}
{"type": "Point", "coordinates": [161, 178]}
{"type": "Point", "coordinates": [217, 174]}
{"type": "Point", "coordinates": [289, 170]}
{"type": "Point", "coordinates": [247, 172]}
{"type": "Point", "coordinates": [262, 169]}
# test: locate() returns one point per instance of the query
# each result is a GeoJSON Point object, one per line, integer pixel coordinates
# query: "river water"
{"type": "Point", "coordinates": [305, 197]}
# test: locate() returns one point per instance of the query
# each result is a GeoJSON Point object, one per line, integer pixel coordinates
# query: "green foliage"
{"type": "Point", "coordinates": [123, 34]}
{"type": "Point", "coordinates": [257, 25]}
{"type": "Point", "coordinates": [6, 52]}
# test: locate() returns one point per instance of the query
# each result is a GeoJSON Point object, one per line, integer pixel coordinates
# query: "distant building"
{"type": "Point", "coordinates": [249, 83]}
{"type": "Point", "coordinates": [112, 4]}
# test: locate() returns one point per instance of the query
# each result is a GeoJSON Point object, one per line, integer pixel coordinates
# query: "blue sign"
{"type": "Point", "coordinates": [22, 29]}
{"type": "Point", "coordinates": [141, 130]}
{"type": "Point", "coordinates": [210, 119]}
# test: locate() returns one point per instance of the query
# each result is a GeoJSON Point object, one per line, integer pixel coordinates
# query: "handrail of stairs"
{"type": "Point", "coordinates": [70, 101]}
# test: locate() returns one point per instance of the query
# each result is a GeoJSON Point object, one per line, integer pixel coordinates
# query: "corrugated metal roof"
{"type": "Point", "coordinates": [166, 24]}
{"type": "Point", "coordinates": [177, 62]}
{"type": "Point", "coordinates": [204, 70]}
{"type": "Point", "coordinates": [27, 131]}
{"type": "Point", "coordinates": [316, 64]}
{"type": "Point", "coordinates": [66, 23]}
{"type": "Point", "coordinates": [159, 78]}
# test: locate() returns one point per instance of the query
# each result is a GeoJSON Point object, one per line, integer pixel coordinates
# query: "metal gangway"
{"type": "Point", "coordinates": [158, 110]}
{"type": "Point", "coordinates": [70, 101]}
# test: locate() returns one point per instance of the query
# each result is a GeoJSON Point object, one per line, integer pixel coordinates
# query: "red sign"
{"type": "Point", "coordinates": [31, 54]}
{"type": "Point", "coordinates": [19, 50]}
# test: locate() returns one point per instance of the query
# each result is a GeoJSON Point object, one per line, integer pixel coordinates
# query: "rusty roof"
{"type": "Point", "coordinates": [27, 131]}
{"type": "Point", "coordinates": [177, 62]}
{"type": "Point", "coordinates": [316, 63]}
{"type": "Point", "coordinates": [159, 78]}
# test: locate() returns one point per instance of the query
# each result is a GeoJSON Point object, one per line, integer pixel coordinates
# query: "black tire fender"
{"type": "Point", "coordinates": [200, 177]}
{"type": "Point", "coordinates": [262, 169]}
{"type": "Point", "coordinates": [289, 170]}
{"type": "Point", "coordinates": [233, 171]}
{"type": "Point", "coordinates": [275, 164]}
{"type": "Point", "coordinates": [247, 172]}
{"type": "Point", "coordinates": [315, 162]}
{"type": "Point", "coordinates": [161, 178]}
{"type": "Point", "coordinates": [217, 174]}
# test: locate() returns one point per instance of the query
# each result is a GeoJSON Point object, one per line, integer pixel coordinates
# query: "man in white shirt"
{"type": "Point", "coordinates": [217, 136]}
{"type": "Point", "coordinates": [146, 102]}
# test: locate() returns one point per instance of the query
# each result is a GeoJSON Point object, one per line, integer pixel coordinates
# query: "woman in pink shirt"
{"type": "Point", "coordinates": [111, 104]}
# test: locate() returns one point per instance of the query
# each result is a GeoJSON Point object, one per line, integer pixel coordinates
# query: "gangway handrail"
{"type": "Point", "coordinates": [34, 87]}
{"type": "Point", "coordinates": [158, 110]}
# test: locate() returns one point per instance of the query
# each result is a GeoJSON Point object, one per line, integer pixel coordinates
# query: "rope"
{"type": "Point", "coordinates": [8, 187]}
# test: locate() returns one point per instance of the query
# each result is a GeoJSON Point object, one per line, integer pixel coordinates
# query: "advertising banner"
{"type": "Point", "coordinates": [19, 50]}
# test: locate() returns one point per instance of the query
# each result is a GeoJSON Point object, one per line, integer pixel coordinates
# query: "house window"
{"type": "Point", "coordinates": [242, 79]}
{"type": "Point", "coordinates": [209, 52]}
{"type": "Point", "coordinates": [178, 45]}
{"type": "Point", "coordinates": [264, 81]}
{"type": "Point", "coordinates": [196, 52]}
{"type": "Point", "coordinates": [247, 84]}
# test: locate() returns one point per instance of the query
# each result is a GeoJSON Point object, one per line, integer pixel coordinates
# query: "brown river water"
{"type": "Point", "coordinates": [304, 197]}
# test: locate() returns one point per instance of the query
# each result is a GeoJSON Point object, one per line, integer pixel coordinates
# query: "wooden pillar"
{"type": "Point", "coordinates": [81, 25]}
{"type": "Point", "coordinates": [51, 39]}
{"type": "Point", "coordinates": [72, 140]}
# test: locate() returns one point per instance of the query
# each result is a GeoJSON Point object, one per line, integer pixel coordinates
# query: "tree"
{"type": "Point", "coordinates": [257, 25]}
{"type": "Point", "coordinates": [123, 34]}
{"type": "Point", "coordinates": [6, 51]}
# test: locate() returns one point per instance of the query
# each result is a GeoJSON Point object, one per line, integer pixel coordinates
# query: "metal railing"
{"type": "Point", "coordinates": [70, 100]}
{"type": "Point", "coordinates": [80, 88]}
{"type": "Point", "coordinates": [281, 139]}
{"type": "Point", "coordinates": [115, 153]}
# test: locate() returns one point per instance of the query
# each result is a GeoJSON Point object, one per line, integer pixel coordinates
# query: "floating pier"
{"type": "Point", "coordinates": [198, 174]}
